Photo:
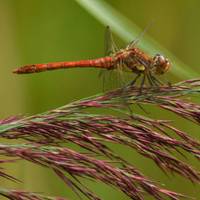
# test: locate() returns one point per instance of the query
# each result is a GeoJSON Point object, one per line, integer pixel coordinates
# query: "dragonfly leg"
{"type": "Point", "coordinates": [168, 83]}
{"type": "Point", "coordinates": [125, 102]}
{"type": "Point", "coordinates": [146, 112]}
{"type": "Point", "coordinates": [142, 83]}
{"type": "Point", "coordinates": [164, 81]}
{"type": "Point", "coordinates": [155, 80]}
{"type": "Point", "coordinates": [140, 92]}
{"type": "Point", "coordinates": [158, 82]}
{"type": "Point", "coordinates": [151, 82]}
{"type": "Point", "coordinates": [134, 80]}
{"type": "Point", "coordinates": [137, 104]}
{"type": "Point", "coordinates": [130, 110]}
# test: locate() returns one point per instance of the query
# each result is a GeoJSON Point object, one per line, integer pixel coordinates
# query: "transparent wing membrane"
{"type": "Point", "coordinates": [111, 78]}
{"type": "Point", "coordinates": [110, 46]}
{"type": "Point", "coordinates": [138, 38]}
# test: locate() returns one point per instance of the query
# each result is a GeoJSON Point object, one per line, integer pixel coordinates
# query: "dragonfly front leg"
{"type": "Point", "coordinates": [161, 82]}
{"type": "Point", "coordinates": [151, 81]}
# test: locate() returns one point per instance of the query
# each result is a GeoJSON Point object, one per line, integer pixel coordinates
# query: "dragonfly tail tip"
{"type": "Point", "coordinates": [16, 71]}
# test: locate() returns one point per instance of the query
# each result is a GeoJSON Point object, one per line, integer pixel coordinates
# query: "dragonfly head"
{"type": "Point", "coordinates": [161, 64]}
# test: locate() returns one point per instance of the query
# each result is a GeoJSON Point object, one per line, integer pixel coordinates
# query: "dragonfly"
{"type": "Point", "coordinates": [129, 59]}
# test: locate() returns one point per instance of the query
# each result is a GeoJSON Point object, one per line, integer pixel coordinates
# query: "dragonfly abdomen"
{"type": "Point", "coordinates": [106, 62]}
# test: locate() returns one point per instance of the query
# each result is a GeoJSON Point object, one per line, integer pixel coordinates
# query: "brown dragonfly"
{"type": "Point", "coordinates": [131, 59]}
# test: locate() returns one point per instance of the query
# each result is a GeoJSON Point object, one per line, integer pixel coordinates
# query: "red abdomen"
{"type": "Point", "coordinates": [106, 62]}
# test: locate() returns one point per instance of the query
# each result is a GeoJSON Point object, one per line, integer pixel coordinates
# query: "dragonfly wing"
{"type": "Point", "coordinates": [111, 49]}
{"type": "Point", "coordinates": [116, 77]}
{"type": "Point", "coordinates": [110, 46]}
{"type": "Point", "coordinates": [108, 76]}
{"type": "Point", "coordinates": [138, 38]}
{"type": "Point", "coordinates": [121, 74]}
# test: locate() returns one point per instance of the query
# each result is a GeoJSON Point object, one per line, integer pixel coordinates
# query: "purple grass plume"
{"type": "Point", "coordinates": [22, 195]}
{"type": "Point", "coordinates": [156, 139]}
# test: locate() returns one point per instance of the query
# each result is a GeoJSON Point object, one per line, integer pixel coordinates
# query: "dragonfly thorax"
{"type": "Point", "coordinates": [136, 60]}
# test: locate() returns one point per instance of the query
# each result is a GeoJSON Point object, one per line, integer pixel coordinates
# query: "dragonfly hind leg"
{"type": "Point", "coordinates": [132, 83]}
{"type": "Point", "coordinates": [142, 84]}
{"type": "Point", "coordinates": [134, 80]}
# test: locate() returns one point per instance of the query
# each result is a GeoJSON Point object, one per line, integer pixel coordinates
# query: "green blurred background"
{"type": "Point", "coordinates": [38, 31]}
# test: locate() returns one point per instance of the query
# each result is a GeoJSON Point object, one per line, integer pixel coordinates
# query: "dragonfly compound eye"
{"type": "Point", "coordinates": [161, 64]}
